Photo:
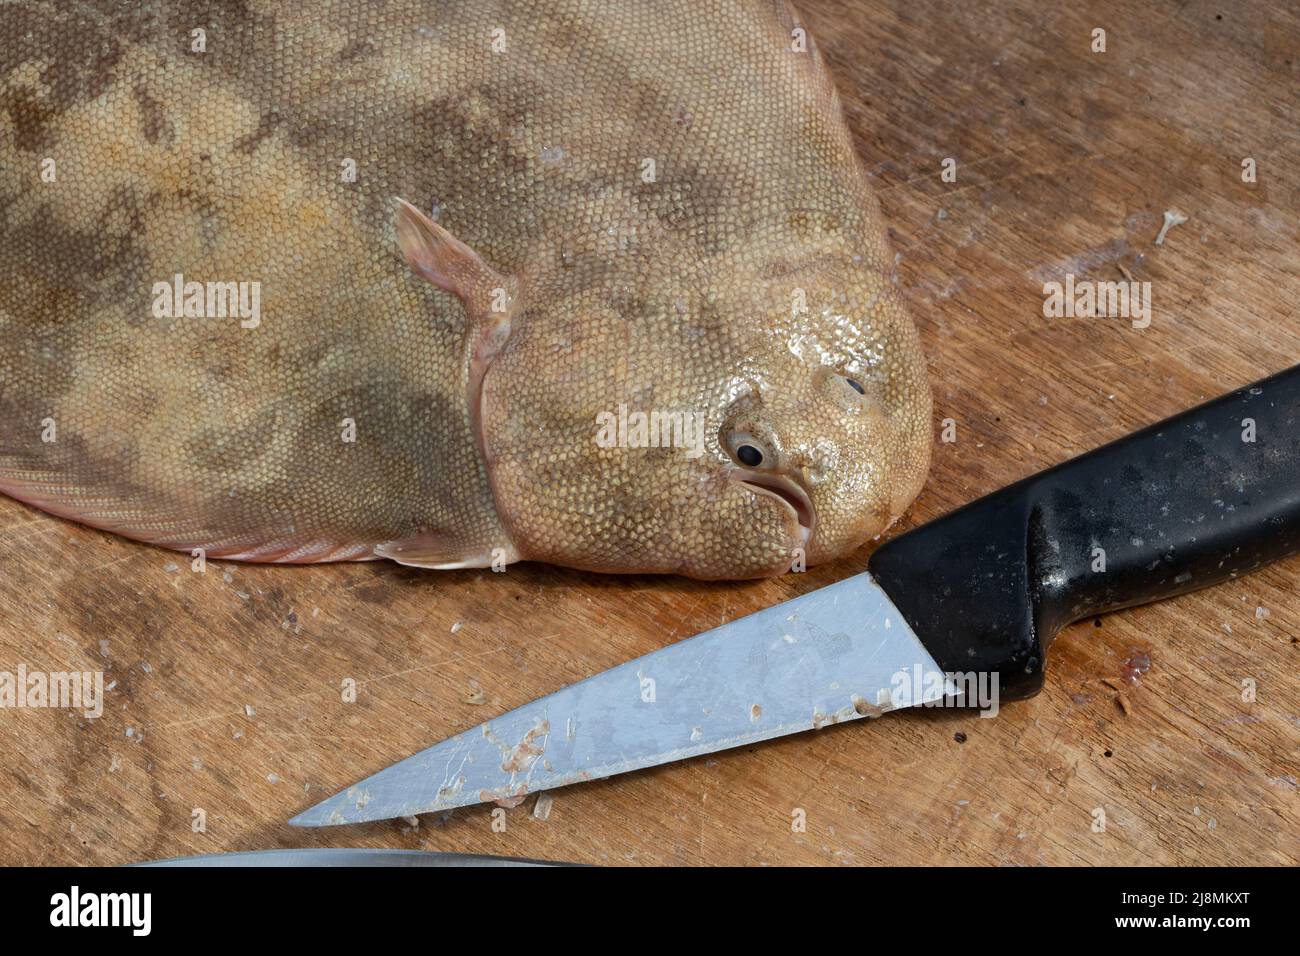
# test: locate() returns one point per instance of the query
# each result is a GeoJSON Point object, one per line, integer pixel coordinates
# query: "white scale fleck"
{"type": "Point", "coordinates": [542, 809]}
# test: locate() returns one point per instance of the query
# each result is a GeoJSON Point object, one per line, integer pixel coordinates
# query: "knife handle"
{"type": "Point", "coordinates": [1189, 502]}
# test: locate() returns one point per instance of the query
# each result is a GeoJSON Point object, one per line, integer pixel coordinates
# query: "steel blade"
{"type": "Point", "coordinates": [342, 856]}
{"type": "Point", "coordinates": [824, 657]}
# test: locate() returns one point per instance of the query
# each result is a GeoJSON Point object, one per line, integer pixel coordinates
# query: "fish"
{"type": "Point", "coordinates": [458, 284]}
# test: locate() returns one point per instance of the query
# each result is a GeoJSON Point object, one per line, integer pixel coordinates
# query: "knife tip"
{"type": "Point", "coordinates": [321, 815]}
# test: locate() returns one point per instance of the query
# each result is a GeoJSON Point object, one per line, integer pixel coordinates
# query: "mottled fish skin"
{"type": "Point", "coordinates": [744, 278]}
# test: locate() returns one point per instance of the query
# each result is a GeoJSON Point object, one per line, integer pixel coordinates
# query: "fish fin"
{"type": "Point", "coordinates": [175, 531]}
{"type": "Point", "coordinates": [437, 256]}
{"type": "Point", "coordinates": [436, 551]}
{"type": "Point", "coordinates": [441, 259]}
{"type": "Point", "coordinates": [488, 297]}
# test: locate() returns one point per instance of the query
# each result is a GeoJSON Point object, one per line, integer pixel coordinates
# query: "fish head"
{"type": "Point", "coordinates": [741, 431]}
{"type": "Point", "coordinates": [831, 416]}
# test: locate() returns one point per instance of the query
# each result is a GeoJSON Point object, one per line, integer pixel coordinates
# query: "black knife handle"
{"type": "Point", "coordinates": [1183, 504]}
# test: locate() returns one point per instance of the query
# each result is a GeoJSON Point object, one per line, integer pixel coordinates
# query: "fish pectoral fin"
{"type": "Point", "coordinates": [441, 553]}
{"type": "Point", "coordinates": [441, 259]}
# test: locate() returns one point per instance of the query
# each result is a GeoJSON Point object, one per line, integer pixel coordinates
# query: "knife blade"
{"type": "Point", "coordinates": [342, 857]}
{"type": "Point", "coordinates": [827, 656]}
{"type": "Point", "coordinates": [961, 609]}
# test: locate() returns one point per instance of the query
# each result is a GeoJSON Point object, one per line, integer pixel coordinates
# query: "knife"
{"type": "Point", "coordinates": [342, 857]}
{"type": "Point", "coordinates": [960, 609]}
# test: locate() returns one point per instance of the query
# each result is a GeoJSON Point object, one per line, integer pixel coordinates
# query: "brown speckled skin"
{"type": "Point", "coordinates": [681, 293]}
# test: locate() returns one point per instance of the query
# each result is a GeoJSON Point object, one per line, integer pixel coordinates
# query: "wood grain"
{"type": "Point", "coordinates": [227, 683]}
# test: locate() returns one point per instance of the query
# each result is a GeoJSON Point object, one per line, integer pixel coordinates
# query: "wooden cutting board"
{"type": "Point", "coordinates": [227, 703]}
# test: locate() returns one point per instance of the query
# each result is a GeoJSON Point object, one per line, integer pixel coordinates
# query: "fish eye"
{"type": "Point", "coordinates": [855, 385]}
{"type": "Point", "coordinates": [748, 449]}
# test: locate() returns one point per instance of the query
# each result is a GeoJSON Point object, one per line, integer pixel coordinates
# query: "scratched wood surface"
{"type": "Point", "coordinates": [226, 693]}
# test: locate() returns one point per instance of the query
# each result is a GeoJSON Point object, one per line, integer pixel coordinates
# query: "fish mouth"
{"type": "Point", "coordinates": [784, 489]}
